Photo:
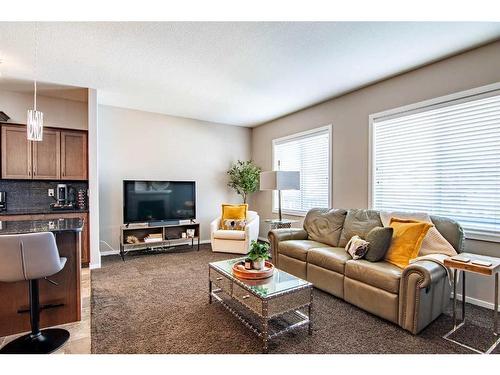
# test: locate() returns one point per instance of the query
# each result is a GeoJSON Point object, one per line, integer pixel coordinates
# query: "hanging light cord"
{"type": "Point", "coordinates": [36, 61]}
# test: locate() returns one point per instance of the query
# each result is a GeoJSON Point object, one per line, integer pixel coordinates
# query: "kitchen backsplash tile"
{"type": "Point", "coordinates": [26, 195]}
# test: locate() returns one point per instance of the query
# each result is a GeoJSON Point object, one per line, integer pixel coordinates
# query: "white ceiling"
{"type": "Point", "coordinates": [234, 73]}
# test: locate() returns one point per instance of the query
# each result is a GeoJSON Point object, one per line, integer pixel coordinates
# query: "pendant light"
{"type": "Point", "coordinates": [34, 124]}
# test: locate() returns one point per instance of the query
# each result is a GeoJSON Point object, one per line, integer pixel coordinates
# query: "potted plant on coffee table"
{"type": "Point", "coordinates": [259, 253]}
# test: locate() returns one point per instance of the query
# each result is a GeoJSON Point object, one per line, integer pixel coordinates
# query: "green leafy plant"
{"type": "Point", "coordinates": [244, 178]}
{"type": "Point", "coordinates": [258, 251]}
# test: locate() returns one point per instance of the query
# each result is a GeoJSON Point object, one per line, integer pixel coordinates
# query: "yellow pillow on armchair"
{"type": "Point", "coordinates": [233, 212]}
{"type": "Point", "coordinates": [406, 241]}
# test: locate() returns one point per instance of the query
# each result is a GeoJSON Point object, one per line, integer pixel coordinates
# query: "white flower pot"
{"type": "Point", "coordinates": [258, 264]}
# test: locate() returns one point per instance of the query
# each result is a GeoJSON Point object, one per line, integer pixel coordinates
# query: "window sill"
{"type": "Point", "coordinates": [482, 237]}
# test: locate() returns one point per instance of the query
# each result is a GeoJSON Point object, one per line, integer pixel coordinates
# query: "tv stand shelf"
{"type": "Point", "coordinates": [134, 236]}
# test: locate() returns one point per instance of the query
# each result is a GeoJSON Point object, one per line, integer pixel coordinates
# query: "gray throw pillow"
{"type": "Point", "coordinates": [325, 225]}
{"type": "Point", "coordinates": [379, 239]}
{"type": "Point", "coordinates": [358, 222]}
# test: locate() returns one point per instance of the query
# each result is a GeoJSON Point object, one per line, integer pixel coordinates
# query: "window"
{"type": "Point", "coordinates": [310, 154]}
{"type": "Point", "coordinates": [442, 157]}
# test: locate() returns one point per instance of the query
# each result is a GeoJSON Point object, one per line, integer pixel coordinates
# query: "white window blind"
{"type": "Point", "coordinates": [308, 153]}
{"type": "Point", "coordinates": [442, 159]}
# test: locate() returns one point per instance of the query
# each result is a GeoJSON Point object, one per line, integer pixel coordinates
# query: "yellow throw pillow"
{"type": "Point", "coordinates": [406, 240]}
{"type": "Point", "coordinates": [233, 212]}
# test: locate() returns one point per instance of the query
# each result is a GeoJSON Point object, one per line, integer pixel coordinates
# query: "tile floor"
{"type": "Point", "coordinates": [79, 341]}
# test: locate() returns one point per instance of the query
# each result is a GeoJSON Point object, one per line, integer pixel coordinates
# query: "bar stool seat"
{"type": "Point", "coordinates": [31, 257]}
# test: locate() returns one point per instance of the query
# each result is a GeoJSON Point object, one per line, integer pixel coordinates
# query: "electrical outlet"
{"type": "Point", "coordinates": [51, 192]}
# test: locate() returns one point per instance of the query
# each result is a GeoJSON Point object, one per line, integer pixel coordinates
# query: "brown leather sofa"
{"type": "Point", "coordinates": [411, 297]}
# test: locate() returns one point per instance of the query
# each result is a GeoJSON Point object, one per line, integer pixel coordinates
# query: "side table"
{"type": "Point", "coordinates": [469, 266]}
{"type": "Point", "coordinates": [280, 224]}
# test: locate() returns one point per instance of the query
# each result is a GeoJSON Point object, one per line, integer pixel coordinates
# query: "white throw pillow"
{"type": "Point", "coordinates": [433, 243]}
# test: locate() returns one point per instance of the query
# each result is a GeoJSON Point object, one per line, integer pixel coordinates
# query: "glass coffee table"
{"type": "Point", "coordinates": [268, 307]}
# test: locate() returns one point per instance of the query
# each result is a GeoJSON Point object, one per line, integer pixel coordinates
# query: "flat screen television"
{"type": "Point", "coordinates": [156, 201]}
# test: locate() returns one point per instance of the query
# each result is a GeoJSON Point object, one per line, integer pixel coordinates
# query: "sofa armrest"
{"type": "Point", "coordinates": [252, 229]}
{"type": "Point", "coordinates": [275, 236]}
{"type": "Point", "coordinates": [424, 293]}
{"type": "Point", "coordinates": [214, 225]}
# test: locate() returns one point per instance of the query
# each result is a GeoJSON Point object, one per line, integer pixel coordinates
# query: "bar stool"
{"type": "Point", "coordinates": [32, 257]}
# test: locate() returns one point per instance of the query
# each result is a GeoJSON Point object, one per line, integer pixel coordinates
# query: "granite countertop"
{"type": "Point", "coordinates": [39, 211]}
{"type": "Point", "coordinates": [35, 226]}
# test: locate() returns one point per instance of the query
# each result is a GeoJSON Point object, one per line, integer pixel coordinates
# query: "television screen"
{"type": "Point", "coordinates": [145, 201]}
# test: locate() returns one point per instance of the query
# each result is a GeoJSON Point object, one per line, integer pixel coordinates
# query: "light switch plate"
{"type": "Point", "coordinates": [51, 192]}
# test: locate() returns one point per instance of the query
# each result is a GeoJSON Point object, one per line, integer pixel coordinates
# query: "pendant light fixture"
{"type": "Point", "coordinates": [34, 124]}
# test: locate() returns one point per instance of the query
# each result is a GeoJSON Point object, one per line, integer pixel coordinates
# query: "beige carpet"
{"type": "Point", "coordinates": [158, 303]}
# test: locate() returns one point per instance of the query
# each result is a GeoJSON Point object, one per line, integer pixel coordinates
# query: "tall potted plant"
{"type": "Point", "coordinates": [244, 178]}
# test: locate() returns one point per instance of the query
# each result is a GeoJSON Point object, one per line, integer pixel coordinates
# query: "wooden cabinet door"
{"type": "Point", "coordinates": [16, 153]}
{"type": "Point", "coordinates": [73, 155]}
{"type": "Point", "coordinates": [47, 156]}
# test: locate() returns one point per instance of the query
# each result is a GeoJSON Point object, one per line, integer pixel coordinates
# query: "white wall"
{"type": "Point", "coordinates": [141, 145]}
{"type": "Point", "coordinates": [349, 116]}
{"type": "Point", "coordinates": [93, 145]}
{"type": "Point", "coordinates": [61, 113]}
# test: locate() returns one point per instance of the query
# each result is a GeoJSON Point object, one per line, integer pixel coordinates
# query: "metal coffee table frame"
{"type": "Point", "coordinates": [265, 332]}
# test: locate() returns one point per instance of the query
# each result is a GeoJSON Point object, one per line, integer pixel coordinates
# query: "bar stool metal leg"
{"type": "Point", "coordinates": [38, 341]}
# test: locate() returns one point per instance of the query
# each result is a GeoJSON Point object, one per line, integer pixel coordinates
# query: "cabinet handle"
{"type": "Point", "coordinates": [245, 296]}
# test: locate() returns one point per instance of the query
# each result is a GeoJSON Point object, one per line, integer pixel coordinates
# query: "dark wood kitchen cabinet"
{"type": "Point", "coordinates": [62, 155]}
{"type": "Point", "coordinates": [73, 155]}
{"type": "Point", "coordinates": [16, 153]}
{"type": "Point", "coordinates": [47, 156]}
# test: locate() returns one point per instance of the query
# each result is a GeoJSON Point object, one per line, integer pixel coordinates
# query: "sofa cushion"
{"type": "Point", "coordinates": [331, 258]}
{"type": "Point", "coordinates": [406, 240]}
{"type": "Point", "coordinates": [433, 243]}
{"type": "Point", "coordinates": [358, 222]}
{"type": "Point", "coordinates": [379, 239]}
{"type": "Point", "coordinates": [298, 249]}
{"type": "Point", "coordinates": [325, 225]}
{"type": "Point", "coordinates": [223, 234]}
{"type": "Point", "coordinates": [233, 212]}
{"type": "Point", "coordinates": [382, 275]}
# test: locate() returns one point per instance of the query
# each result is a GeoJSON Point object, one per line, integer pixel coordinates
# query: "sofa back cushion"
{"type": "Point", "coordinates": [450, 230]}
{"type": "Point", "coordinates": [325, 225]}
{"type": "Point", "coordinates": [358, 222]}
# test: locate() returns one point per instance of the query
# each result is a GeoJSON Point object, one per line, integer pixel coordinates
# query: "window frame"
{"type": "Point", "coordinates": [329, 129]}
{"type": "Point", "coordinates": [442, 101]}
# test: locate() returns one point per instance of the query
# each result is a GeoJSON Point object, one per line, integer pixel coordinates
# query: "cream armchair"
{"type": "Point", "coordinates": [235, 241]}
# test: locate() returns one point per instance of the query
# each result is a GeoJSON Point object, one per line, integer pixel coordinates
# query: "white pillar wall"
{"type": "Point", "coordinates": [93, 160]}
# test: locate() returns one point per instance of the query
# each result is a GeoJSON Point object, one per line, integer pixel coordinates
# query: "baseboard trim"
{"type": "Point", "coordinates": [264, 239]}
{"type": "Point", "coordinates": [109, 252]}
{"type": "Point", "coordinates": [477, 302]}
{"type": "Point", "coordinates": [117, 252]}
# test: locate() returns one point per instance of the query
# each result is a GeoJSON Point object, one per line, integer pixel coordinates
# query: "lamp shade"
{"type": "Point", "coordinates": [280, 180]}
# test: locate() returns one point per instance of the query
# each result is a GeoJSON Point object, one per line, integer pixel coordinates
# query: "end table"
{"type": "Point", "coordinates": [280, 224]}
{"type": "Point", "coordinates": [469, 266]}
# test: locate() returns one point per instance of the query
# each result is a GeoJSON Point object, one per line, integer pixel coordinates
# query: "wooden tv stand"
{"type": "Point", "coordinates": [171, 235]}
